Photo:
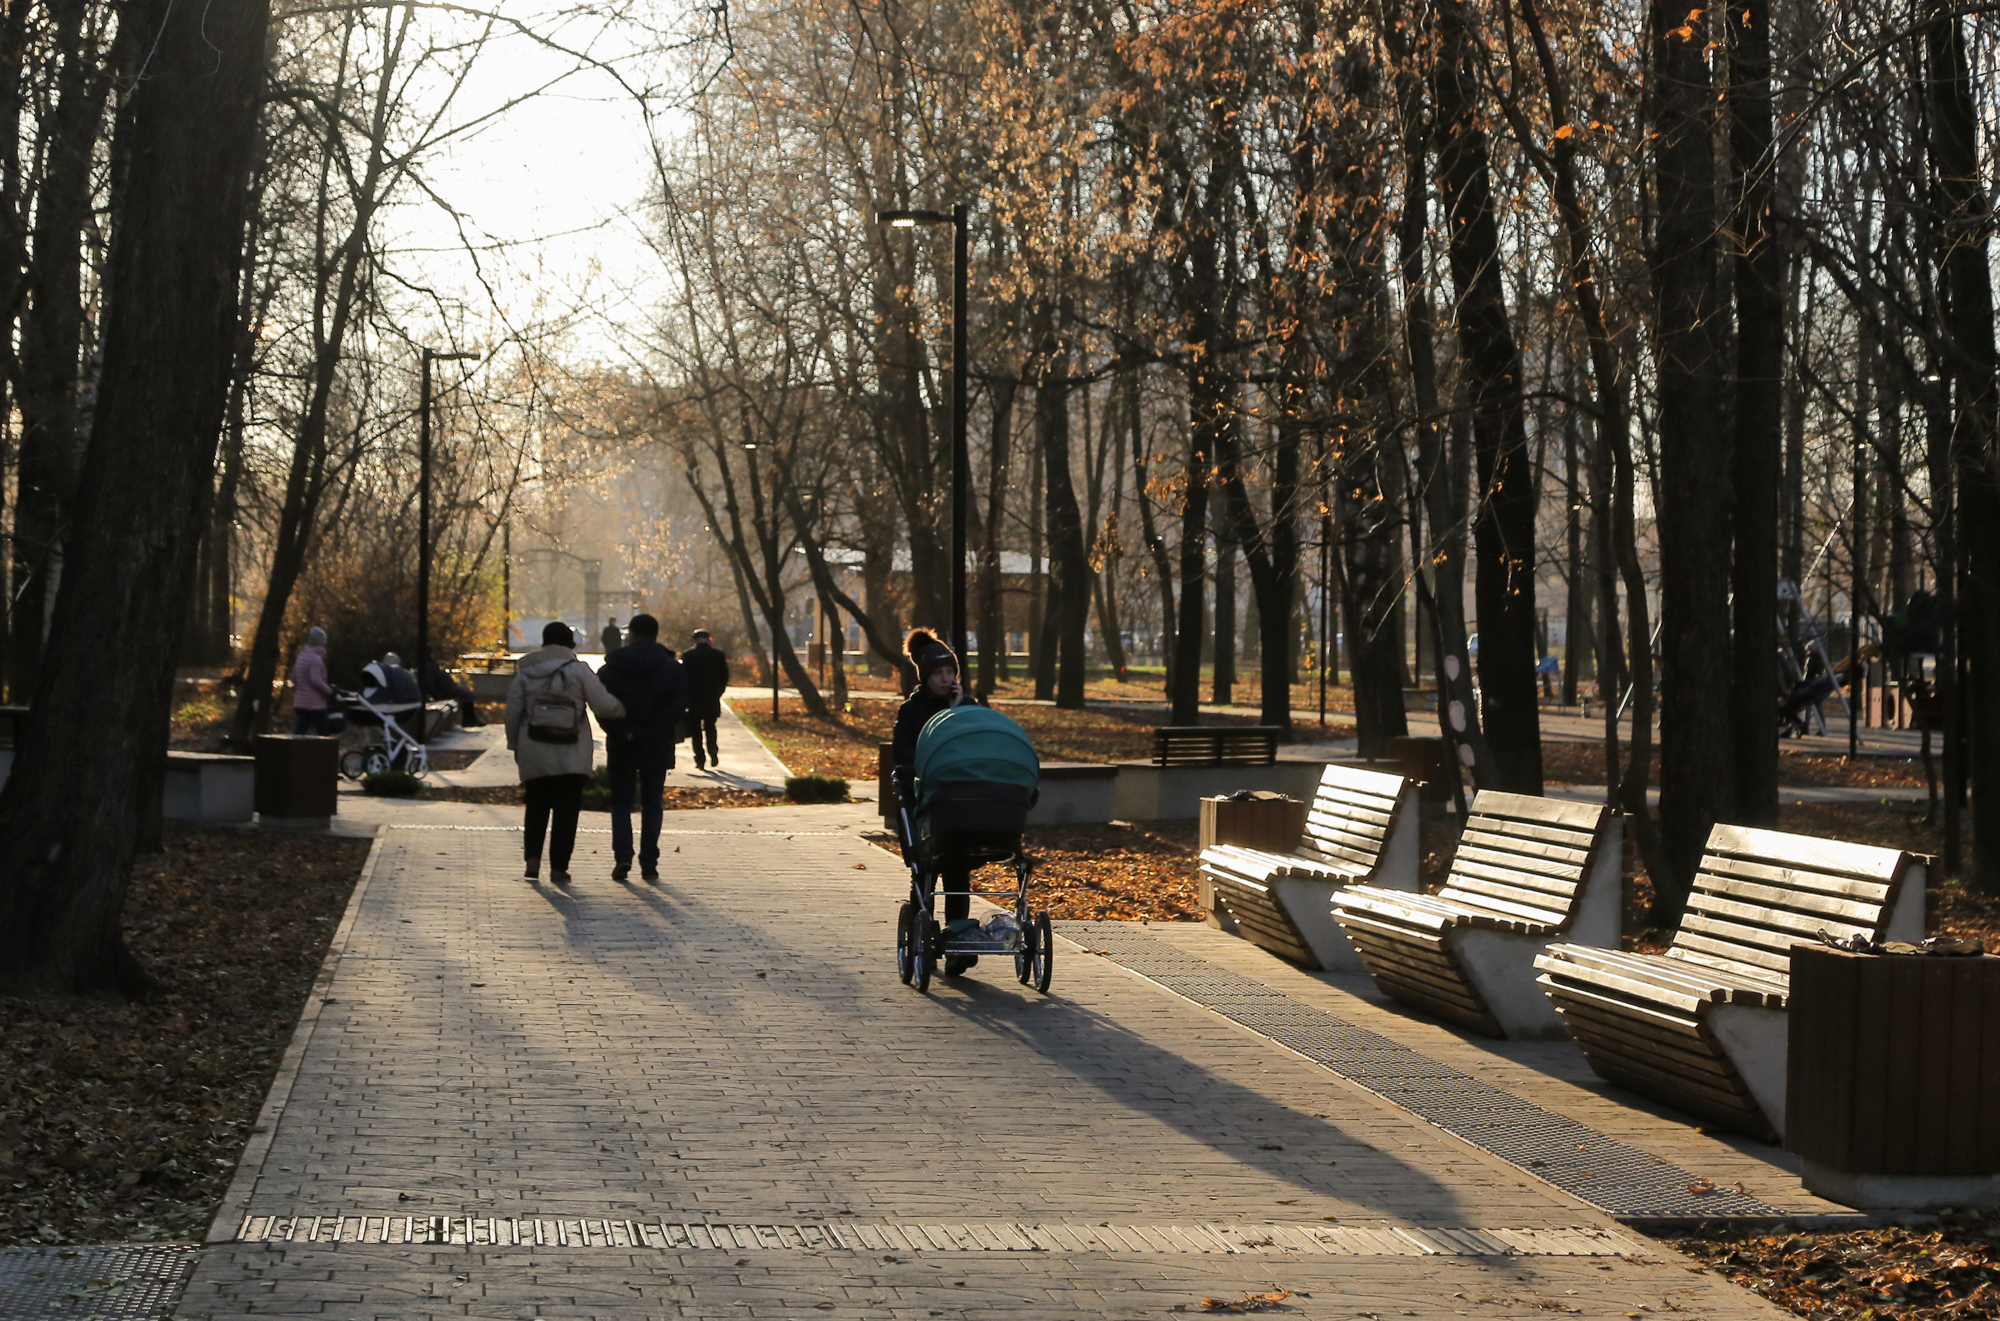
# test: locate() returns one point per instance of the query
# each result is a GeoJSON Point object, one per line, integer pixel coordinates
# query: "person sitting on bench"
{"type": "Point", "coordinates": [441, 687]}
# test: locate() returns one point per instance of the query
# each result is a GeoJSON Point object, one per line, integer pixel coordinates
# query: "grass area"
{"type": "Point", "coordinates": [123, 1122]}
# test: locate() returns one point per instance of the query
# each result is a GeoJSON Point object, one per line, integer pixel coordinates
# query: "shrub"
{"type": "Point", "coordinates": [390, 784]}
{"type": "Point", "coordinates": [816, 789]}
{"type": "Point", "coordinates": [597, 791]}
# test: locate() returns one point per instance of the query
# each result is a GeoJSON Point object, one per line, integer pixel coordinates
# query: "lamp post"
{"type": "Point", "coordinates": [961, 463]}
{"type": "Point", "coordinates": [424, 510]}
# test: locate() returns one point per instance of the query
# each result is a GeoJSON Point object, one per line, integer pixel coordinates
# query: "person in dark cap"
{"type": "Point", "coordinates": [707, 680]}
{"type": "Point", "coordinates": [938, 689]}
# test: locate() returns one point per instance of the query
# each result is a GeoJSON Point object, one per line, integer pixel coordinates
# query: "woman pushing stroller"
{"type": "Point", "coordinates": [938, 689]}
{"type": "Point", "coordinates": [966, 779]}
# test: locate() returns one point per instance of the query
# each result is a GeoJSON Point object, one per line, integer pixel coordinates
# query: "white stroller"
{"type": "Point", "coordinates": [396, 752]}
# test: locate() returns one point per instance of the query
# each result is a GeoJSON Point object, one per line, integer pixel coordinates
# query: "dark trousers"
{"type": "Point", "coordinates": [701, 727]}
{"type": "Point", "coordinates": [956, 881]}
{"type": "Point", "coordinates": [309, 722]}
{"type": "Point", "coordinates": [560, 796]}
{"type": "Point", "coordinates": [647, 779]}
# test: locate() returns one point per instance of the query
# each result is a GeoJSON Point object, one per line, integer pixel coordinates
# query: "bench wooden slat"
{"type": "Point", "coordinates": [1474, 873]}
{"type": "Point", "coordinates": [1780, 923]}
{"type": "Point", "coordinates": [1772, 896]}
{"type": "Point", "coordinates": [1478, 834]}
{"type": "Point", "coordinates": [1865, 861]}
{"type": "Point", "coordinates": [1808, 883]}
{"type": "Point", "coordinates": [1585, 817]}
{"type": "Point", "coordinates": [1527, 871]}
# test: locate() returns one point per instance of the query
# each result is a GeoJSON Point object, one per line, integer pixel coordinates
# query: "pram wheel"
{"type": "Point", "coordinates": [906, 965]}
{"type": "Point", "coordinates": [377, 761]}
{"type": "Point", "coordinates": [924, 955]}
{"type": "Point", "coordinates": [1042, 955]}
{"type": "Point", "coordinates": [354, 763]}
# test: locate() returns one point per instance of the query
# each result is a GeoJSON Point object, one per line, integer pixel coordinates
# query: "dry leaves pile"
{"type": "Point", "coordinates": [1249, 1302]}
{"type": "Point", "coordinates": [1119, 874]}
{"type": "Point", "coordinates": [1947, 1270]}
{"type": "Point", "coordinates": [124, 1122]}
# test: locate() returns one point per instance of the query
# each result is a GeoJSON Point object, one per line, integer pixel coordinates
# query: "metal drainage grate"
{"type": "Point", "coordinates": [1576, 1158]}
{"type": "Point", "coordinates": [978, 1236]}
{"type": "Point", "coordinates": [116, 1282]}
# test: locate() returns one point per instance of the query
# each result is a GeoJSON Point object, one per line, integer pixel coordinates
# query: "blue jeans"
{"type": "Point", "coordinates": [648, 782]}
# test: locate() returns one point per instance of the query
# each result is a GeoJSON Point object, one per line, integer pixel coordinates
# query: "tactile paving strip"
{"type": "Point", "coordinates": [1599, 1170]}
{"type": "Point", "coordinates": [112, 1282]}
{"type": "Point", "coordinates": [974, 1236]}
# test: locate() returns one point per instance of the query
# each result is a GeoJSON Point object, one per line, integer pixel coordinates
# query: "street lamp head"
{"type": "Point", "coordinates": [435, 356]}
{"type": "Point", "coordinates": [911, 219]}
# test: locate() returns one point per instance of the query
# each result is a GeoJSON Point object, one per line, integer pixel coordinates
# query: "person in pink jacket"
{"type": "Point", "coordinates": [310, 690]}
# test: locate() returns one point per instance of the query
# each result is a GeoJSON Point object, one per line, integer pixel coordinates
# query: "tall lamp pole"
{"type": "Point", "coordinates": [424, 510]}
{"type": "Point", "coordinates": [961, 462]}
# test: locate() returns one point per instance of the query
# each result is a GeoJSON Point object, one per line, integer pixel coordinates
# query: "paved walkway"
{"type": "Point", "coordinates": [710, 1097]}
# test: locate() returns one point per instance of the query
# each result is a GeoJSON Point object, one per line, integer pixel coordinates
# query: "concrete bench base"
{"type": "Point", "coordinates": [1901, 1192]}
{"type": "Point", "coordinates": [209, 786]}
{"type": "Point", "coordinates": [1076, 794]}
{"type": "Point", "coordinates": [1173, 793]}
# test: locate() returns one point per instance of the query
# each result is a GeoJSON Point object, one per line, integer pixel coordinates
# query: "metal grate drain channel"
{"type": "Point", "coordinates": [112, 1282]}
{"type": "Point", "coordinates": [1596, 1169]}
{"type": "Point", "coordinates": [976, 1236]}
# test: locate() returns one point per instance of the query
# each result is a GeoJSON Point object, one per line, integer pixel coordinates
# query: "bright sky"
{"type": "Point", "coordinates": [555, 182]}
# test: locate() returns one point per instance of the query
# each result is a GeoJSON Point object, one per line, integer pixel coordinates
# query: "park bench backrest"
{"type": "Point", "coordinates": [1215, 745]}
{"type": "Point", "coordinates": [1760, 892]}
{"type": "Point", "coordinates": [1526, 857]}
{"type": "Point", "coordinates": [1350, 816]}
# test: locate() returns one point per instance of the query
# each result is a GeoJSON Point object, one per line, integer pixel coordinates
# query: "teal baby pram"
{"type": "Point", "coordinates": [965, 806]}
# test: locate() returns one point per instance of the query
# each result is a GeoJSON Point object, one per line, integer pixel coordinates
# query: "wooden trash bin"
{"type": "Point", "coordinates": [297, 779]}
{"type": "Point", "coordinates": [1268, 822]}
{"type": "Point", "coordinates": [1893, 1078]}
{"type": "Point", "coordinates": [1428, 761]}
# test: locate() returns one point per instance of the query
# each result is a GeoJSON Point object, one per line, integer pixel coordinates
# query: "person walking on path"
{"type": "Point", "coordinates": [311, 692]}
{"type": "Point", "coordinates": [610, 639]}
{"type": "Point", "coordinates": [639, 749]}
{"type": "Point", "coordinates": [549, 734]}
{"type": "Point", "coordinates": [938, 689]}
{"type": "Point", "coordinates": [707, 680]}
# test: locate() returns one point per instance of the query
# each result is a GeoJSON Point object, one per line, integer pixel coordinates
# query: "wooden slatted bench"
{"type": "Point", "coordinates": [1361, 829]}
{"type": "Point", "coordinates": [1702, 1026]}
{"type": "Point", "coordinates": [1216, 745]}
{"type": "Point", "coordinates": [1528, 871]}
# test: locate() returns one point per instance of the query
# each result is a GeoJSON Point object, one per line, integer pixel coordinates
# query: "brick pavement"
{"type": "Point", "coordinates": [732, 1046]}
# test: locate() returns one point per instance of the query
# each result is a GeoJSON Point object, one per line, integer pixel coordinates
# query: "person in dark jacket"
{"type": "Point", "coordinates": [708, 678]}
{"type": "Point", "coordinates": [938, 689]}
{"type": "Point", "coordinates": [639, 750]}
{"type": "Point", "coordinates": [391, 685]}
{"type": "Point", "coordinates": [439, 686]}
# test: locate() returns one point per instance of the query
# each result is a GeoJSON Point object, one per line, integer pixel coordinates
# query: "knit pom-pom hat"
{"type": "Point", "coordinates": [927, 653]}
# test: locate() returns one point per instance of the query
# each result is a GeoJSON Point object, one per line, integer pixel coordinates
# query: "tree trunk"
{"type": "Point", "coordinates": [1156, 545]}
{"type": "Point", "coordinates": [992, 608]}
{"type": "Point", "coordinates": [50, 361]}
{"type": "Point", "coordinates": [1968, 322]}
{"type": "Point", "coordinates": [1504, 525]}
{"type": "Point", "coordinates": [1065, 663]}
{"type": "Point", "coordinates": [1698, 744]}
{"type": "Point", "coordinates": [92, 756]}
{"type": "Point", "coordinates": [1757, 416]}
{"type": "Point", "coordinates": [1372, 601]}
{"type": "Point", "coordinates": [1576, 626]}
{"type": "Point", "coordinates": [1224, 674]}
{"type": "Point", "coordinates": [1208, 415]}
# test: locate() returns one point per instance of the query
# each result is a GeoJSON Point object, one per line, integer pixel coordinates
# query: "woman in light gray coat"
{"type": "Point", "coordinates": [549, 735]}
